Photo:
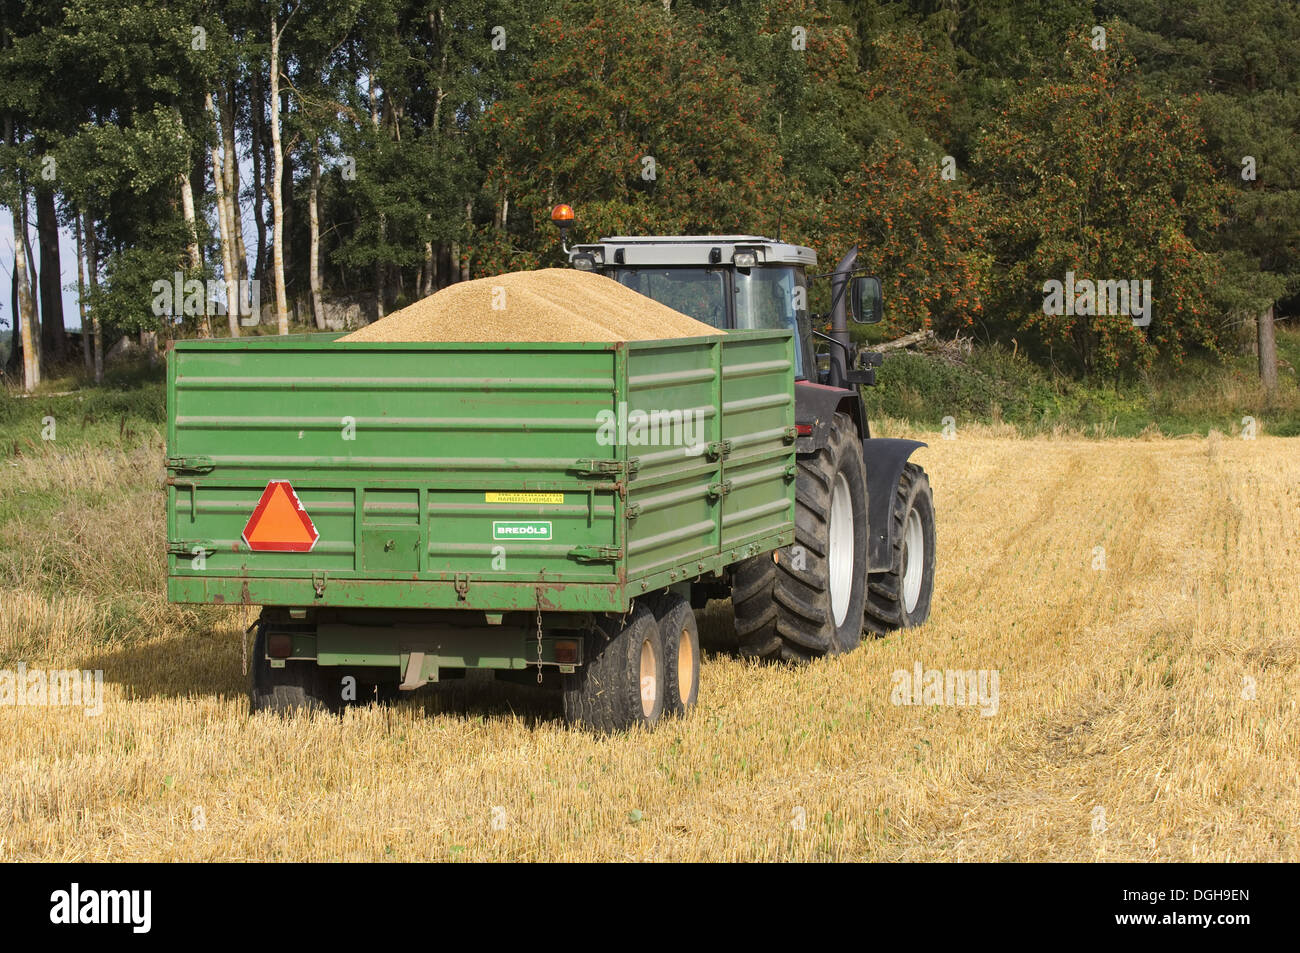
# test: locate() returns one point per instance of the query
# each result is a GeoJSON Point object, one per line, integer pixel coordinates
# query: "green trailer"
{"type": "Point", "coordinates": [405, 512]}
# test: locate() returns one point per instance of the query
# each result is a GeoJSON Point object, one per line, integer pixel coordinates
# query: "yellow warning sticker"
{"type": "Point", "coordinates": [523, 497]}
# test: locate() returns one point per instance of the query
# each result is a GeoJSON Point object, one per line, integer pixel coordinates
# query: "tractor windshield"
{"type": "Point", "coordinates": [775, 297]}
{"type": "Point", "coordinates": [771, 297]}
{"type": "Point", "coordinates": [697, 292]}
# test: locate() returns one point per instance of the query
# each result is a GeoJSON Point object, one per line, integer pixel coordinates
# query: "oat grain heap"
{"type": "Point", "coordinates": [553, 304]}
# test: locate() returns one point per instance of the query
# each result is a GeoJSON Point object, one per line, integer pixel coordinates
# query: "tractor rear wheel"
{"type": "Point", "coordinates": [807, 600]}
{"type": "Point", "coordinates": [900, 598]}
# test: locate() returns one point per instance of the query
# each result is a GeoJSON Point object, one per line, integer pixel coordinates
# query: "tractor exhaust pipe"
{"type": "Point", "coordinates": [840, 279]}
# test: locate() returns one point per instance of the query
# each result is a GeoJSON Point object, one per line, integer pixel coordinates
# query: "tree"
{"type": "Point", "coordinates": [1233, 64]}
{"type": "Point", "coordinates": [1095, 181]}
{"type": "Point", "coordinates": [627, 113]}
{"type": "Point", "coordinates": [920, 233]}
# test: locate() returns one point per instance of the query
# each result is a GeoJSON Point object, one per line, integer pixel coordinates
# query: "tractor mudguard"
{"type": "Point", "coordinates": [815, 406]}
{"type": "Point", "coordinates": [885, 458]}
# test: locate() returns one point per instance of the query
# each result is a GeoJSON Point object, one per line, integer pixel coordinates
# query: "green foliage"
{"type": "Point", "coordinates": [1094, 179]}
{"type": "Point", "coordinates": [129, 405]}
{"type": "Point", "coordinates": [996, 385]}
{"type": "Point", "coordinates": [627, 110]}
{"type": "Point", "coordinates": [972, 151]}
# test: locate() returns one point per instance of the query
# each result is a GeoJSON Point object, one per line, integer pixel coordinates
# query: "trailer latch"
{"type": "Point", "coordinates": [791, 434]}
{"type": "Point", "coordinates": [190, 547]}
{"type": "Point", "coordinates": [191, 464]}
{"type": "Point", "coordinates": [596, 554]}
{"type": "Point", "coordinates": [462, 585]}
{"type": "Point", "coordinates": [592, 467]}
{"type": "Point", "coordinates": [719, 489]}
{"type": "Point", "coordinates": [318, 584]}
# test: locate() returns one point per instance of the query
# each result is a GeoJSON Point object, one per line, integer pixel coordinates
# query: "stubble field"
{"type": "Point", "coordinates": [1139, 601]}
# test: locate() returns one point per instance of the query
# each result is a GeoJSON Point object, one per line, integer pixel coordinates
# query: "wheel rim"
{"type": "Point", "coordinates": [649, 678]}
{"type": "Point", "coordinates": [840, 556]}
{"type": "Point", "coordinates": [913, 560]}
{"type": "Point", "coordinates": [685, 665]}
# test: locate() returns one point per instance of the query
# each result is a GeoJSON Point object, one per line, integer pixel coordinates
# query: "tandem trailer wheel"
{"type": "Point", "coordinates": [681, 637]}
{"type": "Point", "coordinates": [295, 687]}
{"type": "Point", "coordinates": [622, 681]}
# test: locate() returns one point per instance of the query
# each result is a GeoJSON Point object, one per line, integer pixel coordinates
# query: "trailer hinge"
{"type": "Point", "coordinates": [790, 434]}
{"type": "Point", "coordinates": [719, 448]}
{"type": "Point", "coordinates": [633, 510]}
{"type": "Point", "coordinates": [191, 464]}
{"type": "Point", "coordinates": [190, 547]}
{"type": "Point", "coordinates": [596, 554]}
{"type": "Point", "coordinates": [719, 489]}
{"type": "Point", "coordinates": [593, 467]}
{"type": "Point", "coordinates": [791, 471]}
{"type": "Point", "coordinates": [462, 585]}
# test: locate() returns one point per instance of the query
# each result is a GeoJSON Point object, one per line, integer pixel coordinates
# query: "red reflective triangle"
{"type": "Point", "coordinates": [279, 524]}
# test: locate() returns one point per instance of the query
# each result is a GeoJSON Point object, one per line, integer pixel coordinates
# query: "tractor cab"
{"type": "Point", "coordinates": [727, 281]}
{"type": "Point", "coordinates": [738, 282]}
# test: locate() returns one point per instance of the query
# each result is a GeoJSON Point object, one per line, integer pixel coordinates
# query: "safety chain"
{"type": "Point", "coordinates": [539, 637]}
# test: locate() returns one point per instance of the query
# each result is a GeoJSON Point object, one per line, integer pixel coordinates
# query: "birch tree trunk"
{"type": "Point", "coordinates": [426, 285]}
{"type": "Point", "coordinates": [380, 285]}
{"type": "Point", "coordinates": [224, 223]}
{"type": "Point", "coordinates": [259, 180]}
{"type": "Point", "coordinates": [81, 300]}
{"type": "Point", "coordinates": [464, 262]}
{"type": "Point", "coordinates": [313, 216]}
{"type": "Point", "coordinates": [277, 176]}
{"type": "Point", "coordinates": [192, 246]}
{"type": "Point", "coordinates": [30, 335]}
{"type": "Point", "coordinates": [230, 167]}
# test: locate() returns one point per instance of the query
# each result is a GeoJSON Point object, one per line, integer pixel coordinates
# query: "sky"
{"type": "Point", "coordinates": [68, 255]}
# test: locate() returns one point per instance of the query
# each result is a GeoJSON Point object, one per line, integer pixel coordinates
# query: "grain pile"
{"type": "Point", "coordinates": [553, 304]}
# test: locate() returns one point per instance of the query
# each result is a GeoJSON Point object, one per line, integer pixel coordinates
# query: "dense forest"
{"type": "Point", "coordinates": [347, 154]}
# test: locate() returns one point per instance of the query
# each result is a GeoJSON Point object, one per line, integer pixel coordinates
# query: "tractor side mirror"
{"type": "Point", "coordinates": [867, 304]}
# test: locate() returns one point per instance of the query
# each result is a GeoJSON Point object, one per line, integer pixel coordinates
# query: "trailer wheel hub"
{"type": "Point", "coordinates": [649, 678]}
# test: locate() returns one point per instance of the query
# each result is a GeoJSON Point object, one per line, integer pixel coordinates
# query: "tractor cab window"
{"type": "Point", "coordinates": [775, 297]}
{"type": "Point", "coordinates": [697, 292]}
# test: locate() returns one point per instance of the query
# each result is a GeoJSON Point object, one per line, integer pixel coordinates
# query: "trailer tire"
{"type": "Point", "coordinates": [296, 687]}
{"type": "Point", "coordinates": [900, 597]}
{"type": "Point", "coordinates": [621, 683]}
{"type": "Point", "coordinates": [681, 637]}
{"type": "Point", "coordinates": [807, 600]}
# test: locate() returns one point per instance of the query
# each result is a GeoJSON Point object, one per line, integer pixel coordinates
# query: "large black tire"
{"type": "Point", "coordinates": [681, 637]}
{"type": "Point", "coordinates": [900, 598]}
{"type": "Point", "coordinates": [608, 693]}
{"type": "Point", "coordinates": [296, 687]}
{"type": "Point", "coordinates": [783, 601]}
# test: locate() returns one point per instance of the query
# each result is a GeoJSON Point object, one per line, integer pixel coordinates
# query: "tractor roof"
{"type": "Point", "coordinates": [687, 250]}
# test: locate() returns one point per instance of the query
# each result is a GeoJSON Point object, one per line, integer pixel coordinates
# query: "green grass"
{"type": "Point", "coordinates": [994, 386]}
{"type": "Point", "coordinates": [129, 406]}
